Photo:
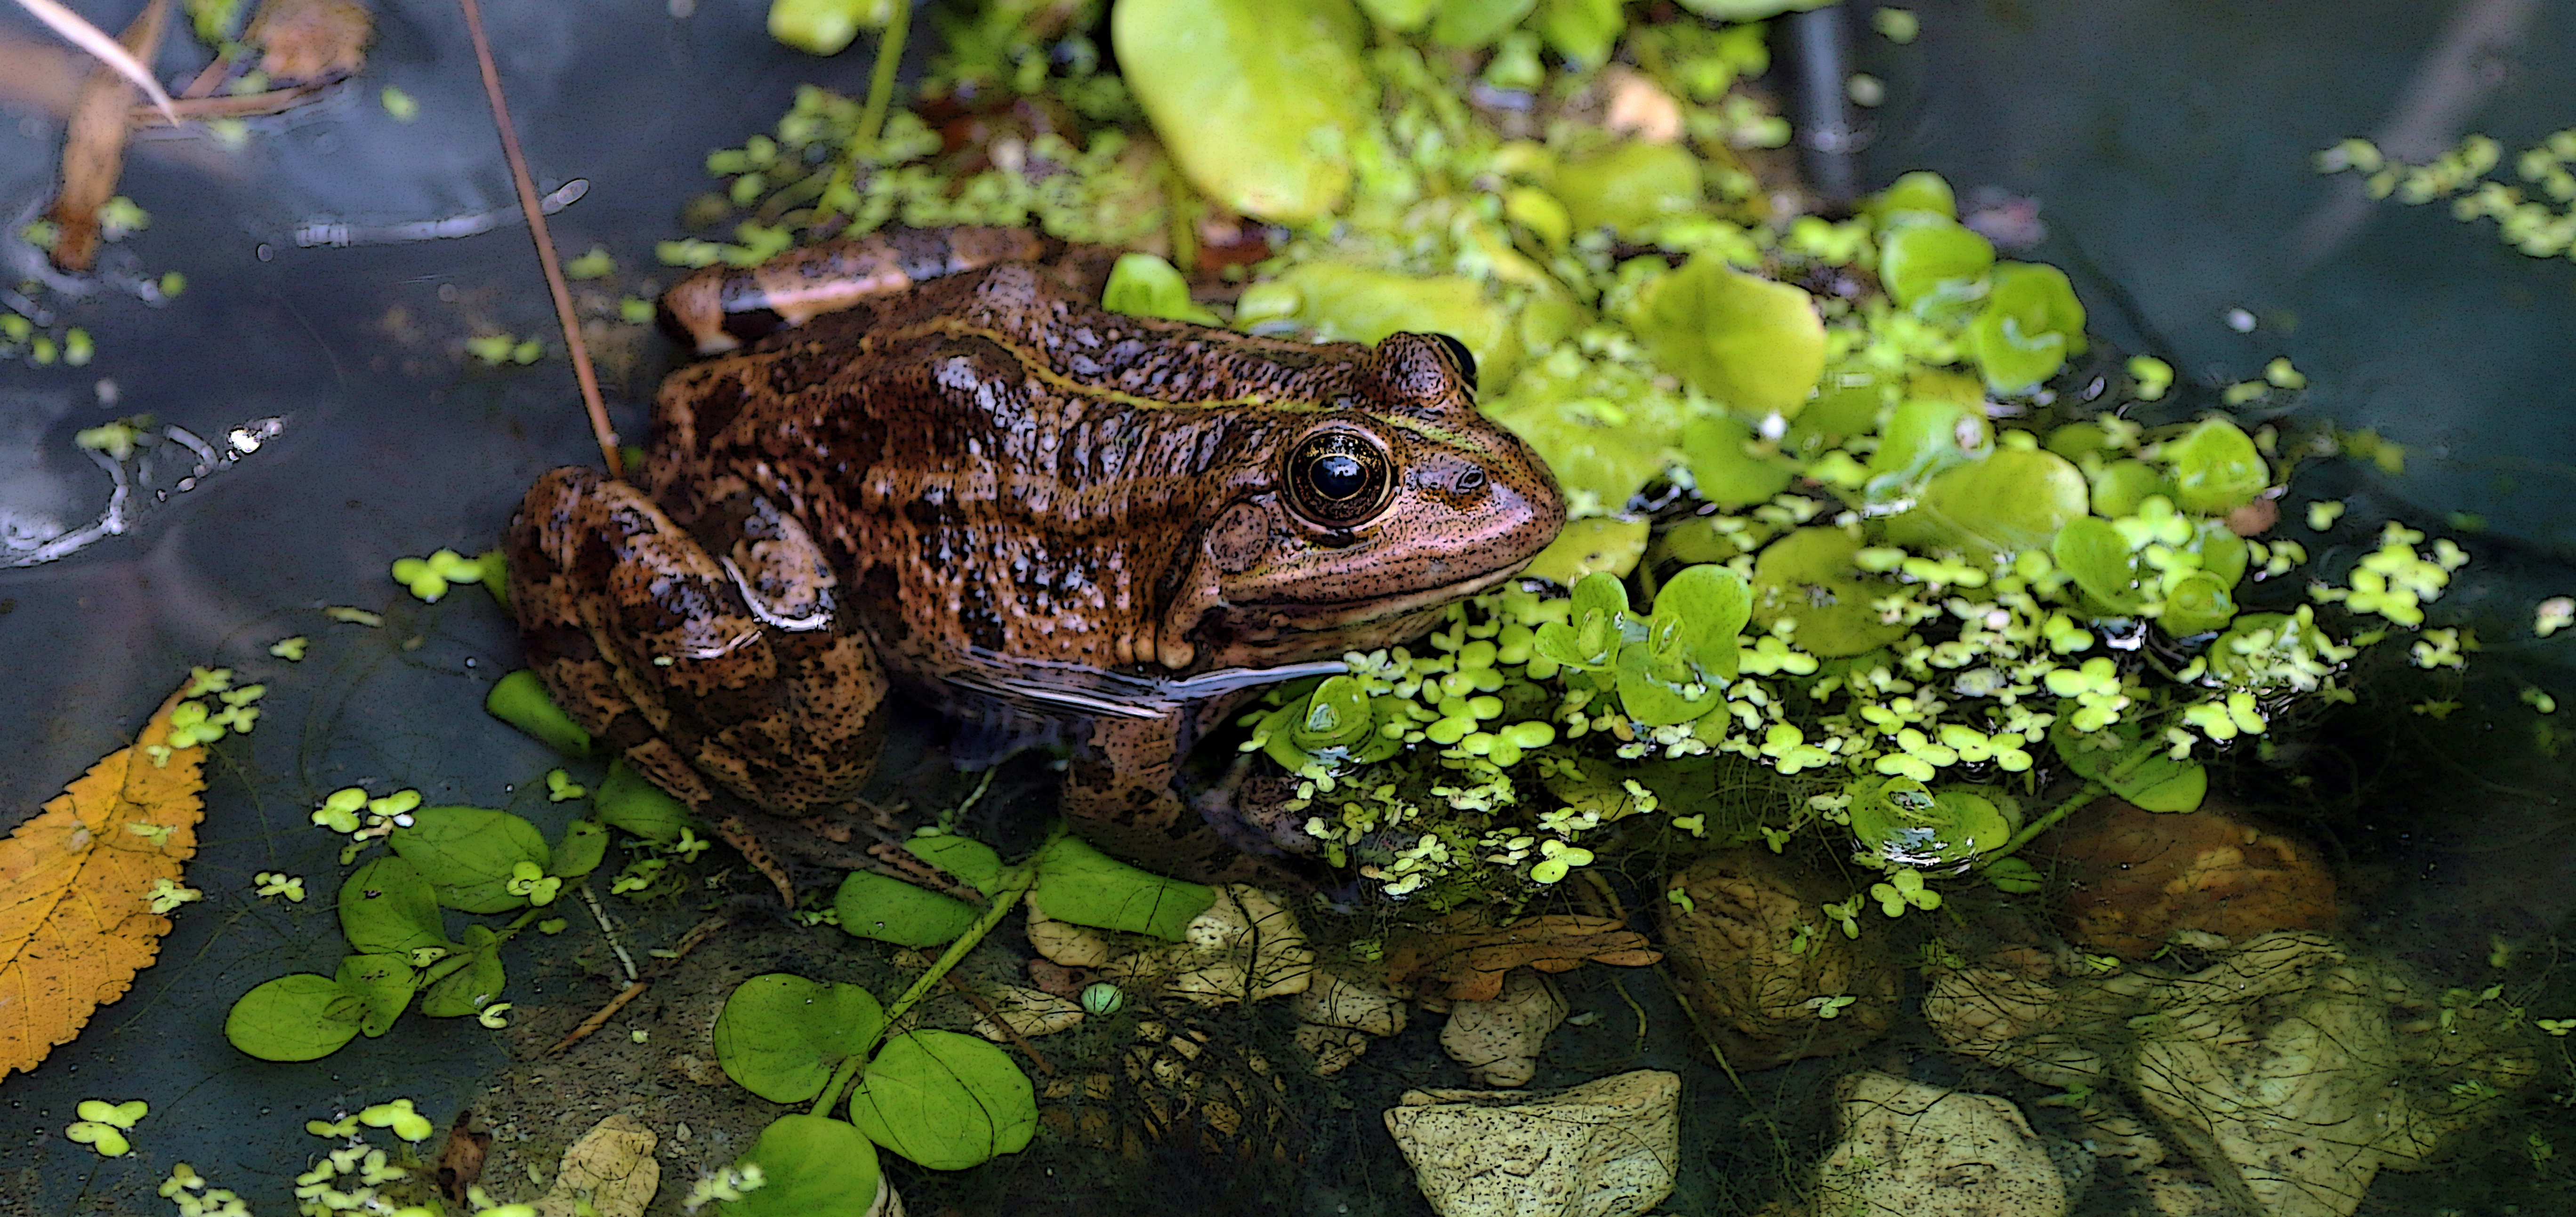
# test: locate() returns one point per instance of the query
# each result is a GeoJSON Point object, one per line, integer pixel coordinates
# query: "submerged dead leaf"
{"type": "Point", "coordinates": [1472, 962]}
{"type": "Point", "coordinates": [94, 145]}
{"type": "Point", "coordinates": [302, 41]}
{"type": "Point", "coordinates": [76, 885]}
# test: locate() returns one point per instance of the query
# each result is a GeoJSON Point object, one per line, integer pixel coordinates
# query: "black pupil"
{"type": "Point", "coordinates": [1339, 475]}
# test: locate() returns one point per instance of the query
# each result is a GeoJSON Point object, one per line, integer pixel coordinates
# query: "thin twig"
{"type": "Point", "coordinates": [607, 930]}
{"type": "Point", "coordinates": [527, 187]}
{"type": "Point", "coordinates": [703, 931]}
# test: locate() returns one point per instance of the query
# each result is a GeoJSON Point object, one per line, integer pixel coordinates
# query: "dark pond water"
{"type": "Point", "coordinates": [2165, 143]}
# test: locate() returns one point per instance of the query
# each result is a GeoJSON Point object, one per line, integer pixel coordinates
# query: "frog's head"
{"type": "Point", "coordinates": [1364, 518]}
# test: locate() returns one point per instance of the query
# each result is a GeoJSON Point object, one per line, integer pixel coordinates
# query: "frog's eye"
{"type": "Point", "coordinates": [1338, 478]}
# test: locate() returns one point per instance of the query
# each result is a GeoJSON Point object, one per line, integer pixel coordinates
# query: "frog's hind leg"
{"type": "Point", "coordinates": [713, 675]}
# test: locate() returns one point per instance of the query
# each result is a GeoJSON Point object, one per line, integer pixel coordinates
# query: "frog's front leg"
{"type": "Point", "coordinates": [1118, 794]}
{"type": "Point", "coordinates": [708, 671]}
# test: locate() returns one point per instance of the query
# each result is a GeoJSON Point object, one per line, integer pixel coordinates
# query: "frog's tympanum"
{"type": "Point", "coordinates": [1091, 530]}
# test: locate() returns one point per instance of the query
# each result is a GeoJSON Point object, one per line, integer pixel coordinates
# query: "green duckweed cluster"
{"type": "Point", "coordinates": [2537, 218]}
{"type": "Point", "coordinates": [1853, 553]}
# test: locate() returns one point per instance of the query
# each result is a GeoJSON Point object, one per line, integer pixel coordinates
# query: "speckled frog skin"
{"type": "Point", "coordinates": [1091, 528]}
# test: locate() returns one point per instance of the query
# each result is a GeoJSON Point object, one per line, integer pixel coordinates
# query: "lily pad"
{"type": "Point", "coordinates": [467, 854]}
{"type": "Point", "coordinates": [1629, 188]}
{"type": "Point", "coordinates": [2030, 326]}
{"type": "Point", "coordinates": [813, 1166]}
{"type": "Point", "coordinates": [1257, 100]}
{"type": "Point", "coordinates": [387, 906]}
{"type": "Point", "coordinates": [1080, 884]}
{"type": "Point", "coordinates": [781, 1035]}
{"type": "Point", "coordinates": [1723, 468]}
{"type": "Point", "coordinates": [1924, 436]}
{"type": "Point", "coordinates": [1588, 639]}
{"type": "Point", "coordinates": [1808, 576]}
{"type": "Point", "coordinates": [1932, 264]}
{"type": "Point", "coordinates": [2015, 499]}
{"type": "Point", "coordinates": [303, 1017]}
{"type": "Point", "coordinates": [2216, 468]}
{"type": "Point", "coordinates": [888, 909]}
{"type": "Point", "coordinates": [945, 1101]}
{"type": "Point", "coordinates": [2122, 486]}
{"type": "Point", "coordinates": [1756, 345]}
{"type": "Point", "coordinates": [1922, 191]}
{"type": "Point", "coordinates": [1691, 648]}
{"type": "Point", "coordinates": [1900, 820]}
{"type": "Point", "coordinates": [2093, 553]}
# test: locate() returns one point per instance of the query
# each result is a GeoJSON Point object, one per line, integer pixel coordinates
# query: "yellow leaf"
{"type": "Point", "coordinates": [76, 919]}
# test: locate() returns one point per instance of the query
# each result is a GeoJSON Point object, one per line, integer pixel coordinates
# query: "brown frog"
{"type": "Point", "coordinates": [1097, 529]}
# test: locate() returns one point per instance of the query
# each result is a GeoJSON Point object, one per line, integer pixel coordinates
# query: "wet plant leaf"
{"type": "Point", "coordinates": [944, 1100]}
{"type": "Point", "coordinates": [1691, 648]}
{"type": "Point", "coordinates": [1809, 577]}
{"type": "Point", "coordinates": [973, 862]}
{"type": "Point", "coordinates": [383, 987]}
{"type": "Point", "coordinates": [464, 983]}
{"type": "Point", "coordinates": [467, 854]}
{"type": "Point", "coordinates": [521, 700]}
{"type": "Point", "coordinates": [2100, 561]}
{"type": "Point", "coordinates": [2216, 468]}
{"type": "Point", "coordinates": [630, 804]}
{"type": "Point", "coordinates": [1629, 188]}
{"type": "Point", "coordinates": [1258, 100]}
{"type": "Point", "coordinates": [1923, 437]}
{"type": "Point", "coordinates": [584, 844]}
{"type": "Point", "coordinates": [303, 1017]}
{"type": "Point", "coordinates": [2140, 772]}
{"type": "Point", "coordinates": [1756, 345]}
{"type": "Point", "coordinates": [781, 1035]}
{"type": "Point", "coordinates": [386, 906]}
{"type": "Point", "coordinates": [1722, 468]}
{"type": "Point", "coordinates": [888, 909]}
{"type": "Point", "coordinates": [815, 1166]}
{"type": "Point", "coordinates": [1142, 285]}
{"type": "Point", "coordinates": [76, 919]}
{"type": "Point", "coordinates": [2030, 326]}
{"type": "Point", "coordinates": [2015, 499]}
{"type": "Point", "coordinates": [1588, 639]}
{"type": "Point", "coordinates": [1080, 884]}
{"type": "Point", "coordinates": [1901, 821]}
{"type": "Point", "coordinates": [1932, 264]}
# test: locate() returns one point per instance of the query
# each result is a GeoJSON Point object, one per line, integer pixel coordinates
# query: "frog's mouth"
{"type": "Point", "coordinates": [1275, 629]}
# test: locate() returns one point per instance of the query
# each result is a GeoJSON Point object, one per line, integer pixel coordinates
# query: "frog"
{"type": "Point", "coordinates": [1072, 527]}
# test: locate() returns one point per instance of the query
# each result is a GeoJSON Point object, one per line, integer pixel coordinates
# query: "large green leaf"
{"type": "Point", "coordinates": [1932, 264]}
{"type": "Point", "coordinates": [2031, 324]}
{"type": "Point", "coordinates": [888, 909]}
{"type": "Point", "coordinates": [973, 862]}
{"type": "Point", "coordinates": [2099, 559]}
{"type": "Point", "coordinates": [1629, 188]}
{"type": "Point", "coordinates": [1809, 577]}
{"type": "Point", "coordinates": [467, 854]}
{"type": "Point", "coordinates": [1080, 884]}
{"type": "Point", "coordinates": [2015, 499]}
{"type": "Point", "coordinates": [303, 1017]}
{"type": "Point", "coordinates": [2139, 771]}
{"type": "Point", "coordinates": [1723, 468]}
{"type": "Point", "coordinates": [2216, 468]}
{"type": "Point", "coordinates": [465, 983]}
{"type": "Point", "coordinates": [1691, 647]}
{"type": "Point", "coordinates": [387, 906]}
{"type": "Point", "coordinates": [1258, 100]}
{"type": "Point", "coordinates": [1756, 345]}
{"type": "Point", "coordinates": [944, 1100]}
{"type": "Point", "coordinates": [628, 803]}
{"type": "Point", "coordinates": [383, 983]}
{"type": "Point", "coordinates": [781, 1035]}
{"type": "Point", "coordinates": [814, 1166]}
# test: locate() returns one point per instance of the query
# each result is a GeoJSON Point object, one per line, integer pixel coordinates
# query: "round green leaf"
{"type": "Point", "coordinates": [1921, 190]}
{"type": "Point", "coordinates": [944, 1100]}
{"type": "Point", "coordinates": [464, 983]}
{"type": "Point", "coordinates": [1933, 264]}
{"type": "Point", "coordinates": [630, 804]}
{"type": "Point", "coordinates": [466, 854]}
{"type": "Point", "coordinates": [781, 1035]}
{"type": "Point", "coordinates": [584, 844]}
{"type": "Point", "coordinates": [1756, 345]}
{"type": "Point", "coordinates": [1808, 577]}
{"type": "Point", "coordinates": [2015, 499]}
{"type": "Point", "coordinates": [1588, 639]}
{"type": "Point", "coordinates": [1924, 436]}
{"type": "Point", "coordinates": [1257, 100]}
{"type": "Point", "coordinates": [2030, 325]}
{"type": "Point", "coordinates": [814, 1166]}
{"type": "Point", "coordinates": [825, 27]}
{"type": "Point", "coordinates": [2093, 553]}
{"type": "Point", "coordinates": [2140, 771]}
{"type": "Point", "coordinates": [2198, 604]}
{"type": "Point", "coordinates": [2122, 486]}
{"type": "Point", "coordinates": [1629, 188]}
{"type": "Point", "coordinates": [303, 1017]}
{"type": "Point", "coordinates": [383, 983]}
{"type": "Point", "coordinates": [520, 699]}
{"type": "Point", "coordinates": [1473, 24]}
{"type": "Point", "coordinates": [1581, 31]}
{"type": "Point", "coordinates": [1691, 648]}
{"type": "Point", "coordinates": [1900, 820]}
{"type": "Point", "coordinates": [1080, 884]}
{"type": "Point", "coordinates": [387, 906]}
{"type": "Point", "coordinates": [1722, 468]}
{"type": "Point", "coordinates": [2216, 468]}
{"type": "Point", "coordinates": [973, 862]}
{"type": "Point", "coordinates": [888, 909]}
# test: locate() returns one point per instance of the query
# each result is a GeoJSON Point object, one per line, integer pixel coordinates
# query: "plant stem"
{"type": "Point", "coordinates": [2091, 791]}
{"type": "Point", "coordinates": [1015, 883]}
{"type": "Point", "coordinates": [864, 139]}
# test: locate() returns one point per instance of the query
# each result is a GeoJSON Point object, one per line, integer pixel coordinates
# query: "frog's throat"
{"type": "Point", "coordinates": [1087, 690]}
{"type": "Point", "coordinates": [1266, 624]}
